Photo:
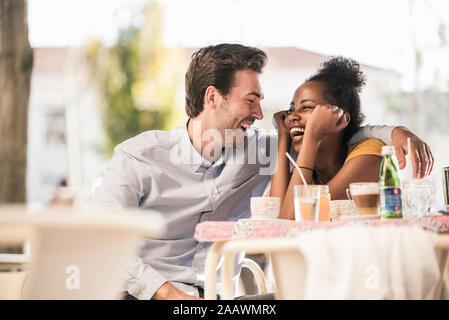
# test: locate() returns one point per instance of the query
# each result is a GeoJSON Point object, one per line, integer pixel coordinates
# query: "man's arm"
{"type": "Point", "coordinates": [421, 155]}
{"type": "Point", "coordinates": [142, 281]}
{"type": "Point", "coordinates": [145, 283]}
{"type": "Point", "coordinates": [122, 187]}
{"type": "Point", "coordinates": [382, 133]}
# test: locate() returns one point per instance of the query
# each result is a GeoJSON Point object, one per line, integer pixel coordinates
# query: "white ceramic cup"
{"type": "Point", "coordinates": [341, 208]}
{"type": "Point", "coordinates": [265, 207]}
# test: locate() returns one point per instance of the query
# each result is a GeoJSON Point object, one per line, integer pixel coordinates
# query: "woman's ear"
{"type": "Point", "coordinates": [346, 117]}
{"type": "Point", "coordinates": [344, 121]}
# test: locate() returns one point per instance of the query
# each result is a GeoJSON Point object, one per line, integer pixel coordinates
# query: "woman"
{"type": "Point", "coordinates": [323, 115]}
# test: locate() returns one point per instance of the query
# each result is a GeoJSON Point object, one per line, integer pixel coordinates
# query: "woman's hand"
{"type": "Point", "coordinates": [324, 120]}
{"type": "Point", "coordinates": [280, 123]}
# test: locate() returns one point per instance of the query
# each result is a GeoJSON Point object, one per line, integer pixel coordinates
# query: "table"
{"type": "Point", "coordinates": [223, 233]}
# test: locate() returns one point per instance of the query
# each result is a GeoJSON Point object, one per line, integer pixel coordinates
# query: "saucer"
{"type": "Point", "coordinates": [360, 217]}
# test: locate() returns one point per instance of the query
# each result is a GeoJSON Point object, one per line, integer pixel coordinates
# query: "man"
{"type": "Point", "coordinates": [191, 173]}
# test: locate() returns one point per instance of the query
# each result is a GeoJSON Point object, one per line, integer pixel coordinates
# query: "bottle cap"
{"type": "Point", "coordinates": [387, 150]}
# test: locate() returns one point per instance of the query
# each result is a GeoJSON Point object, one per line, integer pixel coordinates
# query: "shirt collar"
{"type": "Point", "coordinates": [188, 154]}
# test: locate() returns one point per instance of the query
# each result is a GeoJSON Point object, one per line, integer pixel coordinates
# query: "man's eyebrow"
{"type": "Point", "coordinates": [257, 94]}
{"type": "Point", "coordinates": [305, 100]}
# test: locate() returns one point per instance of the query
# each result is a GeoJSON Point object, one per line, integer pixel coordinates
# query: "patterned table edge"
{"type": "Point", "coordinates": [213, 231]}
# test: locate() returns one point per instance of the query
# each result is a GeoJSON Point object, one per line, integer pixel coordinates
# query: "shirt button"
{"type": "Point", "coordinates": [196, 269]}
{"type": "Point", "coordinates": [140, 296]}
{"type": "Point", "coordinates": [209, 172]}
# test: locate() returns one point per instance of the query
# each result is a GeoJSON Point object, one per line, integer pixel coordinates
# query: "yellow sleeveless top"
{"type": "Point", "coordinates": [367, 147]}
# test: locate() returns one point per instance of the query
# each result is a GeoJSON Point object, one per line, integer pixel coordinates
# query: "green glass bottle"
{"type": "Point", "coordinates": [389, 185]}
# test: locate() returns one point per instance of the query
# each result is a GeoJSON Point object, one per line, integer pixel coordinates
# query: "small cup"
{"type": "Point", "coordinates": [418, 197]}
{"type": "Point", "coordinates": [342, 208]}
{"type": "Point", "coordinates": [365, 196]}
{"type": "Point", "coordinates": [265, 207]}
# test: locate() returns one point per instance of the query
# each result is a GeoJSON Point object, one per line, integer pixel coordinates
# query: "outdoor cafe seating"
{"type": "Point", "coordinates": [306, 260]}
{"type": "Point", "coordinates": [72, 254]}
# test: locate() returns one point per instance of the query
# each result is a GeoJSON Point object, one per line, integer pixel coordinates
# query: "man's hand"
{"type": "Point", "coordinates": [421, 156]}
{"type": "Point", "coordinates": [169, 292]}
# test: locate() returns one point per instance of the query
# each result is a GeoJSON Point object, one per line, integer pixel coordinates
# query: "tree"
{"type": "Point", "coordinates": [16, 62]}
{"type": "Point", "coordinates": [424, 109]}
{"type": "Point", "coordinates": [137, 78]}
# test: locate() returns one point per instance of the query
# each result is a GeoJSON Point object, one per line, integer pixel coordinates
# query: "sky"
{"type": "Point", "coordinates": [382, 33]}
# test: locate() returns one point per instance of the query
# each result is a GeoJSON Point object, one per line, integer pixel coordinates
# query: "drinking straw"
{"type": "Point", "coordinates": [408, 160]}
{"type": "Point", "coordinates": [296, 166]}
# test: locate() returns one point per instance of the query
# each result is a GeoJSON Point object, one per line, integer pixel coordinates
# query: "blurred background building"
{"type": "Point", "coordinates": [92, 57]}
{"type": "Point", "coordinates": [65, 130]}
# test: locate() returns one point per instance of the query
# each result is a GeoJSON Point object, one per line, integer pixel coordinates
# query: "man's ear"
{"type": "Point", "coordinates": [210, 98]}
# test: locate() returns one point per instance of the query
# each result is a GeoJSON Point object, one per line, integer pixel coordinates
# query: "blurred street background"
{"type": "Point", "coordinates": [106, 70]}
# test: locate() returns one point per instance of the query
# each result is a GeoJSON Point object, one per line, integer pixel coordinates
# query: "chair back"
{"type": "Point", "coordinates": [79, 255]}
{"type": "Point", "coordinates": [289, 270]}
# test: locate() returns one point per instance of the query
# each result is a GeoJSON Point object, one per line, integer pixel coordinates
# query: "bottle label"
{"type": "Point", "coordinates": [390, 203]}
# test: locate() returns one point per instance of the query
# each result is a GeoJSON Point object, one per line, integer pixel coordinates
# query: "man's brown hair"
{"type": "Point", "coordinates": [216, 66]}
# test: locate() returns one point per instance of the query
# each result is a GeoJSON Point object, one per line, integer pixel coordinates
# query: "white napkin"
{"type": "Point", "coordinates": [360, 262]}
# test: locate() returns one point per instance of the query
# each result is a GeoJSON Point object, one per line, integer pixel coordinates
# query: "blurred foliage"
{"type": "Point", "coordinates": [137, 78]}
{"type": "Point", "coordinates": [425, 110]}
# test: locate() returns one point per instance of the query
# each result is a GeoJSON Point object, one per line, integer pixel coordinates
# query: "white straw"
{"type": "Point", "coordinates": [408, 161]}
{"type": "Point", "coordinates": [296, 166]}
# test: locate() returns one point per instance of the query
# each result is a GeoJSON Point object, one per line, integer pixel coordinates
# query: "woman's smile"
{"type": "Point", "coordinates": [296, 133]}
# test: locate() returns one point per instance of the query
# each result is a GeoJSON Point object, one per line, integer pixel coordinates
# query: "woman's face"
{"type": "Point", "coordinates": [306, 98]}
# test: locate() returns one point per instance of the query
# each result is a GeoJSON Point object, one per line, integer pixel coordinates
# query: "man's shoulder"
{"type": "Point", "coordinates": [145, 141]}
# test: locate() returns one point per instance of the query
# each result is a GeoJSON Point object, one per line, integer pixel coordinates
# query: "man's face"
{"type": "Point", "coordinates": [241, 107]}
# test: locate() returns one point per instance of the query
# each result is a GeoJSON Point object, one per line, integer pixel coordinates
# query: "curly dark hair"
{"type": "Point", "coordinates": [344, 81]}
{"type": "Point", "coordinates": [216, 66]}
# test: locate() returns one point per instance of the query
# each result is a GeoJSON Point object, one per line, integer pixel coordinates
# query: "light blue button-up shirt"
{"type": "Point", "coordinates": [161, 172]}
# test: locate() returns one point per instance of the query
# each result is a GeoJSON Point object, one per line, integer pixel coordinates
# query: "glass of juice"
{"type": "Point", "coordinates": [307, 202]}
{"type": "Point", "coordinates": [325, 198]}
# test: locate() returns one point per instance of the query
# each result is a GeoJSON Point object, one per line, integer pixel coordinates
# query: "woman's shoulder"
{"type": "Point", "coordinates": [367, 147]}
